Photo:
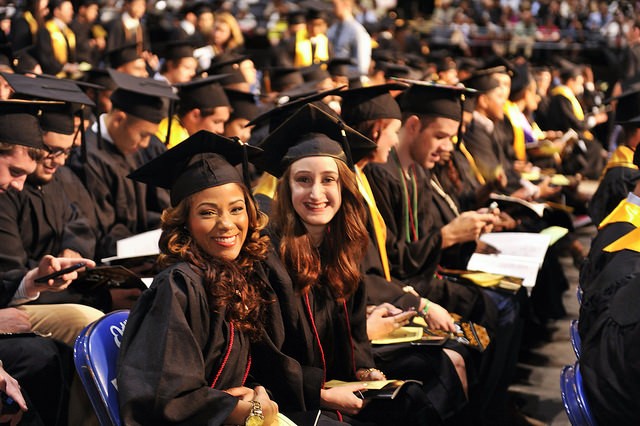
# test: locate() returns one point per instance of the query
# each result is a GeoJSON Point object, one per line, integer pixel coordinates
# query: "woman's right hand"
{"type": "Point", "coordinates": [342, 398]}
{"type": "Point", "coordinates": [269, 407]}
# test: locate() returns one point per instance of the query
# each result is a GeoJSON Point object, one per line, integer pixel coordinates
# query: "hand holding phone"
{"type": "Point", "coordinates": [44, 279]}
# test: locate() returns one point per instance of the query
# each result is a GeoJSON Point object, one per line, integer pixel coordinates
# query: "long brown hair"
{"type": "Point", "coordinates": [343, 246]}
{"type": "Point", "coordinates": [230, 284]}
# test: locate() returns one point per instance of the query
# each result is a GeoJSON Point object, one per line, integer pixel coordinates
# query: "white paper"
{"type": "Point", "coordinates": [525, 244]}
{"type": "Point", "coordinates": [144, 244]}
{"type": "Point", "coordinates": [515, 266]}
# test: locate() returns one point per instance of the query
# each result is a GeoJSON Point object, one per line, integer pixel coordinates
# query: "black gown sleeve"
{"type": "Point", "coordinates": [406, 259]}
{"type": "Point", "coordinates": [162, 371]}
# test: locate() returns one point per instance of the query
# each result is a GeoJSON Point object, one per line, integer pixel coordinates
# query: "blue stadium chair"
{"type": "Point", "coordinates": [575, 338]}
{"type": "Point", "coordinates": [95, 354]}
{"type": "Point", "coordinates": [573, 397]}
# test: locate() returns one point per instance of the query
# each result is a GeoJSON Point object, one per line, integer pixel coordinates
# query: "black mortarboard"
{"type": "Point", "coordinates": [176, 49]}
{"type": "Point", "coordinates": [520, 80]}
{"type": "Point", "coordinates": [303, 90]}
{"type": "Point", "coordinates": [203, 160]}
{"type": "Point", "coordinates": [243, 104]}
{"type": "Point", "coordinates": [433, 99]}
{"type": "Point", "coordinates": [370, 103]}
{"type": "Point", "coordinates": [24, 60]}
{"type": "Point", "coordinates": [315, 72]}
{"type": "Point", "coordinates": [392, 70]}
{"type": "Point", "coordinates": [282, 78]}
{"type": "Point", "coordinates": [47, 87]}
{"type": "Point", "coordinates": [278, 115]}
{"type": "Point", "coordinates": [228, 64]}
{"type": "Point", "coordinates": [383, 55]}
{"type": "Point", "coordinates": [627, 107]}
{"type": "Point", "coordinates": [339, 67]}
{"type": "Point", "coordinates": [100, 77]}
{"type": "Point", "coordinates": [470, 100]}
{"type": "Point", "coordinates": [483, 80]}
{"type": "Point", "coordinates": [568, 69]}
{"type": "Point", "coordinates": [315, 9]}
{"type": "Point", "coordinates": [202, 93]}
{"type": "Point", "coordinates": [124, 54]}
{"type": "Point", "coordinates": [311, 132]}
{"type": "Point", "coordinates": [296, 17]}
{"type": "Point", "coordinates": [19, 122]}
{"type": "Point", "coordinates": [144, 98]}
{"type": "Point", "coordinates": [445, 64]}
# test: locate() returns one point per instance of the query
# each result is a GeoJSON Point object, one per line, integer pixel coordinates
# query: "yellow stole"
{"type": "Point", "coordinates": [33, 25]}
{"type": "Point", "coordinates": [178, 132]}
{"type": "Point", "coordinates": [630, 241]}
{"type": "Point", "coordinates": [563, 90]}
{"type": "Point", "coordinates": [63, 41]}
{"type": "Point", "coordinates": [305, 55]}
{"type": "Point", "coordinates": [621, 157]}
{"type": "Point", "coordinates": [512, 111]}
{"type": "Point", "coordinates": [266, 185]}
{"type": "Point", "coordinates": [625, 212]}
{"type": "Point", "coordinates": [379, 227]}
{"type": "Point", "coordinates": [472, 162]}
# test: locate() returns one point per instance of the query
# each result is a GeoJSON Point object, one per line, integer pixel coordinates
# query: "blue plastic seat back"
{"type": "Point", "coordinates": [575, 338]}
{"type": "Point", "coordinates": [96, 355]}
{"type": "Point", "coordinates": [573, 398]}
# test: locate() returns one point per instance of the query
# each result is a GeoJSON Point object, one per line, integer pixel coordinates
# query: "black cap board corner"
{"type": "Point", "coordinates": [202, 161]}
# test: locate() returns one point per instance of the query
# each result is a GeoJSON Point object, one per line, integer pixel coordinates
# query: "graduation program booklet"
{"type": "Point", "coordinates": [109, 276]}
{"type": "Point", "coordinates": [468, 333]}
{"type": "Point", "coordinates": [376, 389]}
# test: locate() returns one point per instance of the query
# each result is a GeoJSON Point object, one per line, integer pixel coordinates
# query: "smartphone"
{"type": "Point", "coordinates": [59, 273]}
{"type": "Point", "coordinates": [9, 405]}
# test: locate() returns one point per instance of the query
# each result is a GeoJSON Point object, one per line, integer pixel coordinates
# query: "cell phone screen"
{"type": "Point", "coordinates": [59, 273]}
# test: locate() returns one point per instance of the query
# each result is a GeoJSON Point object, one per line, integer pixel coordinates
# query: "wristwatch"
{"type": "Point", "coordinates": [255, 418]}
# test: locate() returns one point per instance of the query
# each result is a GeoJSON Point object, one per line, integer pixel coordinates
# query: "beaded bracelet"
{"type": "Point", "coordinates": [426, 308]}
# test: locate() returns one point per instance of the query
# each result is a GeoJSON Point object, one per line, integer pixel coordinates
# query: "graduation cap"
{"type": "Point", "coordinates": [445, 64]}
{"type": "Point", "coordinates": [19, 121]}
{"type": "Point", "coordinates": [315, 9]}
{"type": "Point", "coordinates": [627, 107]}
{"type": "Point", "coordinates": [229, 65]}
{"type": "Point", "coordinates": [282, 78]}
{"type": "Point", "coordinates": [202, 93]}
{"type": "Point", "coordinates": [100, 77]}
{"type": "Point", "coordinates": [243, 104]}
{"type": "Point", "coordinates": [124, 54]}
{"type": "Point", "coordinates": [433, 99]}
{"type": "Point", "coordinates": [141, 97]}
{"type": "Point", "coordinates": [520, 80]}
{"type": "Point", "coordinates": [276, 116]}
{"type": "Point", "coordinates": [483, 80]}
{"type": "Point", "coordinates": [176, 49]}
{"type": "Point", "coordinates": [339, 67]}
{"type": "Point", "coordinates": [24, 60]}
{"type": "Point", "coordinates": [393, 70]}
{"type": "Point", "coordinates": [568, 69]}
{"type": "Point", "coordinates": [370, 103]}
{"type": "Point", "coordinates": [470, 100]}
{"type": "Point", "coordinates": [296, 17]}
{"type": "Point", "coordinates": [311, 132]}
{"type": "Point", "coordinates": [59, 118]}
{"type": "Point", "coordinates": [315, 72]}
{"type": "Point", "coordinates": [203, 160]}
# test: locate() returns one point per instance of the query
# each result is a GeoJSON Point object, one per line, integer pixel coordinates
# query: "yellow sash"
{"type": "Point", "coordinates": [630, 241]}
{"type": "Point", "coordinates": [306, 56]}
{"type": "Point", "coordinates": [266, 185]}
{"type": "Point", "coordinates": [621, 157]}
{"type": "Point", "coordinates": [624, 212]}
{"type": "Point", "coordinates": [178, 133]}
{"type": "Point", "coordinates": [62, 41]}
{"type": "Point", "coordinates": [379, 227]}
{"type": "Point", "coordinates": [512, 111]}
{"type": "Point", "coordinates": [472, 163]}
{"type": "Point", "coordinates": [575, 104]}
{"type": "Point", "coordinates": [33, 25]}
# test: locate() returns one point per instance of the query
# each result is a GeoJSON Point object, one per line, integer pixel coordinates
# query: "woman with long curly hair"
{"type": "Point", "coordinates": [319, 236]}
{"type": "Point", "coordinates": [185, 354]}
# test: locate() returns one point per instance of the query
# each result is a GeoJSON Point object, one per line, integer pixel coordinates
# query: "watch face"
{"type": "Point", "coordinates": [254, 420]}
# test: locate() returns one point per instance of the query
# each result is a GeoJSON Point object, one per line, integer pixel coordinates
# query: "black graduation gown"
{"type": "Point", "coordinates": [45, 56]}
{"type": "Point", "coordinates": [20, 35]}
{"type": "Point", "coordinates": [120, 202]}
{"type": "Point", "coordinates": [157, 199]}
{"type": "Point", "coordinates": [173, 349]}
{"type": "Point", "coordinates": [488, 152]}
{"type": "Point", "coordinates": [613, 188]}
{"type": "Point", "coordinates": [78, 196]}
{"type": "Point", "coordinates": [471, 195]}
{"type": "Point", "coordinates": [118, 36]}
{"type": "Point", "coordinates": [415, 262]}
{"type": "Point", "coordinates": [610, 331]}
{"type": "Point", "coordinates": [40, 220]}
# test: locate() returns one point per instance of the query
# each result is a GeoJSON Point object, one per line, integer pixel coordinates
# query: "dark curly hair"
{"type": "Point", "coordinates": [231, 285]}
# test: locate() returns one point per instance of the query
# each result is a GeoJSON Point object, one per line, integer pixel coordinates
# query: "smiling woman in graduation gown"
{"type": "Point", "coordinates": [185, 354]}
